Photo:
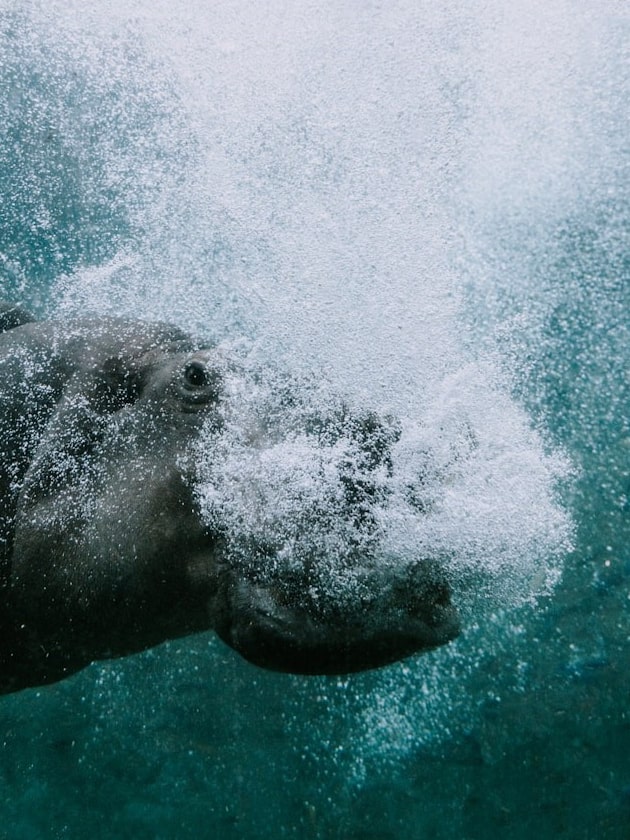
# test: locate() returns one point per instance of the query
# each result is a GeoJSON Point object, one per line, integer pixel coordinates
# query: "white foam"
{"type": "Point", "coordinates": [313, 211]}
{"type": "Point", "coordinates": [344, 169]}
{"type": "Point", "coordinates": [469, 486]}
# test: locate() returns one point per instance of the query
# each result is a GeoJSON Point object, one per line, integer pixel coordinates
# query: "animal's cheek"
{"type": "Point", "coordinates": [203, 569]}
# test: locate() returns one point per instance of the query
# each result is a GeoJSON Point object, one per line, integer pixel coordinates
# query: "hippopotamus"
{"type": "Point", "coordinates": [104, 550]}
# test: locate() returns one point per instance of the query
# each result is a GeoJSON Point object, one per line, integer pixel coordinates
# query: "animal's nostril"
{"type": "Point", "coordinates": [443, 595]}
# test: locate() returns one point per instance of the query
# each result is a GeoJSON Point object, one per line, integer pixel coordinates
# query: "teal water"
{"type": "Point", "coordinates": [432, 205]}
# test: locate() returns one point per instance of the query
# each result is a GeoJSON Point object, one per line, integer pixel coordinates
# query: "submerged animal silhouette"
{"type": "Point", "coordinates": [103, 548]}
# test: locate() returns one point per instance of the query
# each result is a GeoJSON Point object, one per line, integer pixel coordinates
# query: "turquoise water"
{"type": "Point", "coordinates": [430, 204]}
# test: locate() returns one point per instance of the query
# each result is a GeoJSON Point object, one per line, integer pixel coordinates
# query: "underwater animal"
{"type": "Point", "coordinates": [104, 550]}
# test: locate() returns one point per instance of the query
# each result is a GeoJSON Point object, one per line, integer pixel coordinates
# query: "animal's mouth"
{"type": "Point", "coordinates": [330, 638]}
{"type": "Point", "coordinates": [304, 495]}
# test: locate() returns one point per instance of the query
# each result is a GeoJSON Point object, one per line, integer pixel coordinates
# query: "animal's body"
{"type": "Point", "coordinates": [103, 550]}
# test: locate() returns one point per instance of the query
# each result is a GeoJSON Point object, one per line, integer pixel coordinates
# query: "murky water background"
{"type": "Point", "coordinates": [429, 207]}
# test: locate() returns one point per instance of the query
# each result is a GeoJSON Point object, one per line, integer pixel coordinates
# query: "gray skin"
{"type": "Point", "coordinates": [103, 551]}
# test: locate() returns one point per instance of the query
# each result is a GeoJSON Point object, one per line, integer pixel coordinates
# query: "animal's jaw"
{"type": "Point", "coordinates": [330, 640]}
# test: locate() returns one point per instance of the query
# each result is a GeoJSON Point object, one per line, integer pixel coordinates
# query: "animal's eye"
{"type": "Point", "coordinates": [196, 375]}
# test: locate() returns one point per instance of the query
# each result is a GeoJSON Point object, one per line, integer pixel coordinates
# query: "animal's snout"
{"type": "Point", "coordinates": [286, 628]}
{"type": "Point", "coordinates": [301, 492]}
{"type": "Point", "coordinates": [375, 437]}
{"type": "Point", "coordinates": [367, 462]}
{"type": "Point", "coordinates": [422, 589]}
{"type": "Point", "coordinates": [371, 435]}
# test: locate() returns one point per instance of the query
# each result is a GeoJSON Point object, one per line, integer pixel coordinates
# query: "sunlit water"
{"type": "Point", "coordinates": [418, 207]}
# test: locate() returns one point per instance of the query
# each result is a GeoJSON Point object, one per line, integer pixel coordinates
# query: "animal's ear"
{"type": "Point", "coordinates": [117, 382]}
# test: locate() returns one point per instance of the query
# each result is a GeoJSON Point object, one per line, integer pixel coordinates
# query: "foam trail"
{"type": "Point", "coordinates": [316, 195]}
{"type": "Point", "coordinates": [315, 215]}
{"type": "Point", "coordinates": [456, 488]}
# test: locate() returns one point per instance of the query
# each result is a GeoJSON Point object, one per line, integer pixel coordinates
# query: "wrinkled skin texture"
{"type": "Point", "coordinates": [103, 551]}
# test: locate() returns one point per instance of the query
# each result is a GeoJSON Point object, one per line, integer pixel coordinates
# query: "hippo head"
{"type": "Point", "coordinates": [295, 488]}
{"type": "Point", "coordinates": [171, 491]}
